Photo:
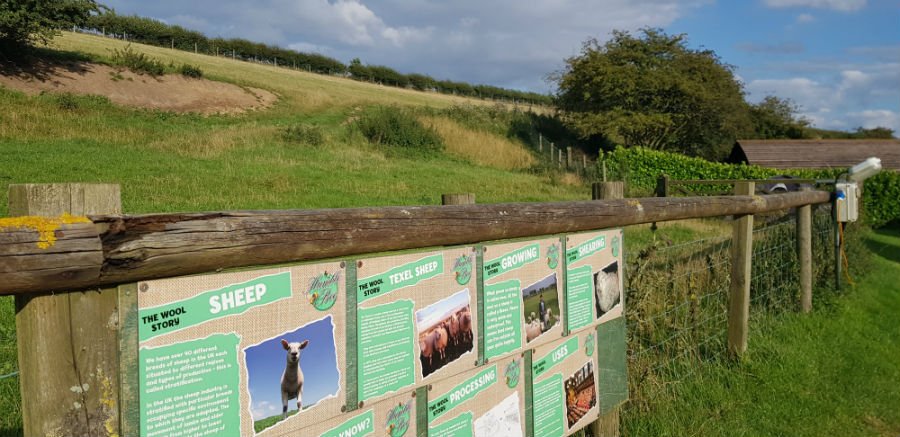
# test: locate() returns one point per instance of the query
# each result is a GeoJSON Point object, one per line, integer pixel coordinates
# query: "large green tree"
{"type": "Point", "coordinates": [775, 117]}
{"type": "Point", "coordinates": [652, 90]}
{"type": "Point", "coordinates": [24, 22]}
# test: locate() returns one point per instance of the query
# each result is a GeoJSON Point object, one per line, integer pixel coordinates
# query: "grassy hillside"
{"type": "Point", "coordinates": [168, 162]}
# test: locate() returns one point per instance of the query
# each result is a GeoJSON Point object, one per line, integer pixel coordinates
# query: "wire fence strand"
{"type": "Point", "coordinates": [677, 306]}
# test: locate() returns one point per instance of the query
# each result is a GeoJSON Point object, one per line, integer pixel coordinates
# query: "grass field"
{"type": "Point", "coordinates": [832, 372]}
{"type": "Point", "coordinates": [262, 424]}
{"type": "Point", "coordinates": [169, 162]}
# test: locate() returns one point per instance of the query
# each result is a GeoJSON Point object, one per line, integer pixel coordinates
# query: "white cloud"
{"type": "Point", "coordinates": [843, 99]}
{"type": "Point", "coordinates": [805, 18]}
{"type": "Point", "coordinates": [838, 5]}
{"type": "Point", "coordinates": [871, 118]}
{"type": "Point", "coordinates": [263, 409]}
{"type": "Point", "coordinates": [501, 42]}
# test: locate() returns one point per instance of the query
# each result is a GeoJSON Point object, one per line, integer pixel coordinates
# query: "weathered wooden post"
{"type": "Point", "coordinates": [569, 157]}
{"type": "Point", "coordinates": [67, 342]}
{"type": "Point", "coordinates": [608, 424]}
{"type": "Point", "coordinates": [608, 190]}
{"type": "Point", "coordinates": [540, 143]}
{"type": "Point", "coordinates": [662, 186]}
{"type": "Point", "coordinates": [804, 255]}
{"type": "Point", "coordinates": [458, 199]}
{"type": "Point", "coordinates": [741, 258]}
{"type": "Point", "coordinates": [662, 190]}
{"type": "Point", "coordinates": [559, 160]}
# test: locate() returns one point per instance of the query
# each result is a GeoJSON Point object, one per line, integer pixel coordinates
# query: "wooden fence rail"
{"type": "Point", "coordinates": [97, 330]}
{"type": "Point", "coordinates": [101, 250]}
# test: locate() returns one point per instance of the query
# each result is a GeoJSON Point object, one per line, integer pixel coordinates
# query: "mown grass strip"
{"type": "Point", "coordinates": [832, 372]}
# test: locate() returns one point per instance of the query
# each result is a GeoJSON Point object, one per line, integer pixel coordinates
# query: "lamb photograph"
{"type": "Point", "coordinates": [290, 373]}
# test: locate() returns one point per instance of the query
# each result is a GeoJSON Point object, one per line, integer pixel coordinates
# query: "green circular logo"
{"type": "Point", "coordinates": [398, 420]}
{"type": "Point", "coordinates": [589, 344]}
{"type": "Point", "coordinates": [463, 269]}
{"type": "Point", "coordinates": [615, 246]}
{"type": "Point", "coordinates": [323, 290]}
{"type": "Point", "coordinates": [512, 373]}
{"type": "Point", "coordinates": [553, 256]}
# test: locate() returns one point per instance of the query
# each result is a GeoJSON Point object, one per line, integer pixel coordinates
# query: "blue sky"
{"type": "Point", "coordinates": [318, 360]}
{"type": "Point", "coordinates": [839, 60]}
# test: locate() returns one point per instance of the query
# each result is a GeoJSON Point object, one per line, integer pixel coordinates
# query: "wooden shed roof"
{"type": "Point", "coordinates": [815, 153]}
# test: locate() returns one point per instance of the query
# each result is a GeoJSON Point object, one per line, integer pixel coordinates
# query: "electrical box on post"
{"type": "Point", "coordinates": [846, 201]}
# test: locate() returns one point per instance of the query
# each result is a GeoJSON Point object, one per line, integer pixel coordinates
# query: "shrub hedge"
{"type": "Point", "coordinates": [397, 127]}
{"type": "Point", "coordinates": [641, 167]}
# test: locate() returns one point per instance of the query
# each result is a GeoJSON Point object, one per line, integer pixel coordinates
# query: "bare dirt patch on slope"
{"type": "Point", "coordinates": [171, 92]}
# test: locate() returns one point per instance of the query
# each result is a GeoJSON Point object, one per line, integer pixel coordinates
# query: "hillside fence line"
{"type": "Point", "coordinates": [75, 280]}
{"type": "Point", "coordinates": [520, 104]}
{"type": "Point", "coordinates": [569, 158]}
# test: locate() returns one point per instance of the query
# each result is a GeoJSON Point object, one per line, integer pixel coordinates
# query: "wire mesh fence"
{"type": "Point", "coordinates": [775, 271]}
{"type": "Point", "coordinates": [677, 306]}
{"type": "Point", "coordinates": [9, 371]}
{"type": "Point", "coordinates": [676, 313]}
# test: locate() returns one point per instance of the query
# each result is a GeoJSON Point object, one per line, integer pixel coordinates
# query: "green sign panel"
{"type": "Point", "coordinates": [459, 426]}
{"type": "Point", "coordinates": [463, 392]}
{"type": "Point", "coordinates": [555, 357]}
{"type": "Point", "coordinates": [359, 426]}
{"type": "Point", "coordinates": [586, 249]}
{"type": "Point", "coordinates": [386, 349]}
{"type": "Point", "coordinates": [502, 318]}
{"type": "Point", "coordinates": [549, 409]}
{"type": "Point", "coordinates": [579, 297]}
{"type": "Point", "coordinates": [511, 261]}
{"type": "Point", "coordinates": [191, 388]}
{"type": "Point", "coordinates": [399, 277]}
{"type": "Point", "coordinates": [213, 304]}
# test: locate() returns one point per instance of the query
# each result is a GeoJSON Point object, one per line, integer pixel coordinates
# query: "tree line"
{"type": "Point", "coordinates": [652, 90]}
{"type": "Point", "coordinates": [154, 32]}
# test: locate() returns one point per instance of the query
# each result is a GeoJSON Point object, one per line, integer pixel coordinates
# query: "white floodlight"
{"type": "Point", "coordinates": [864, 170]}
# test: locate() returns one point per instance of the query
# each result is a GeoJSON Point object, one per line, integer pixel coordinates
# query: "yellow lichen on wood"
{"type": "Point", "coordinates": [108, 404]}
{"type": "Point", "coordinates": [46, 227]}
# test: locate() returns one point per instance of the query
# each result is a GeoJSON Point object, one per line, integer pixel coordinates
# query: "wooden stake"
{"type": "Point", "coordinates": [67, 343]}
{"type": "Point", "coordinates": [608, 190]}
{"type": "Point", "coordinates": [458, 199]}
{"type": "Point", "coordinates": [804, 255]}
{"type": "Point", "coordinates": [741, 258]}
